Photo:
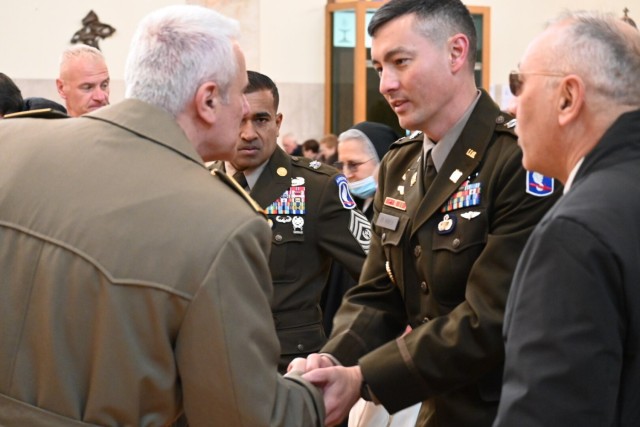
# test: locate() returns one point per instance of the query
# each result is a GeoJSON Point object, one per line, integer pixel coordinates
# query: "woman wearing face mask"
{"type": "Point", "coordinates": [359, 152]}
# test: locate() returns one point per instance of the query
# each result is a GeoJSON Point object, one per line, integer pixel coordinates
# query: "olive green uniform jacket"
{"type": "Point", "coordinates": [332, 229]}
{"type": "Point", "coordinates": [446, 274]}
{"type": "Point", "coordinates": [134, 285]}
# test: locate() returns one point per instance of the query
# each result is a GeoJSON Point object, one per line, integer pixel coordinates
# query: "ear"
{"type": "Point", "coordinates": [60, 86]}
{"type": "Point", "coordinates": [278, 122]}
{"type": "Point", "coordinates": [458, 47]}
{"type": "Point", "coordinates": [207, 100]}
{"type": "Point", "coordinates": [571, 99]}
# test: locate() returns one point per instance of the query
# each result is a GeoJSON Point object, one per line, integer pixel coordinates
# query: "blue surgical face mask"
{"type": "Point", "coordinates": [364, 188]}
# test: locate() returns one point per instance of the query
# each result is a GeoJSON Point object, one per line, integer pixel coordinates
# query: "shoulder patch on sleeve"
{"type": "Point", "coordinates": [539, 185]}
{"type": "Point", "coordinates": [343, 192]}
{"type": "Point", "coordinates": [360, 228]}
{"type": "Point", "coordinates": [236, 187]}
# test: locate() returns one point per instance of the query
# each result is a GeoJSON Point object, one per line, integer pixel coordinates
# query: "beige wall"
{"type": "Point", "coordinates": [281, 38]}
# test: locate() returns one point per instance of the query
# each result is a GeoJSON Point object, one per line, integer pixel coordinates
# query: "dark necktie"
{"type": "Point", "coordinates": [429, 171]}
{"type": "Point", "coordinates": [241, 180]}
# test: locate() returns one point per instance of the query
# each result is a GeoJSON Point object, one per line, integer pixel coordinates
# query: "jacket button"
{"type": "Point", "coordinates": [417, 251]}
{"type": "Point", "coordinates": [300, 347]}
{"type": "Point", "coordinates": [424, 287]}
{"type": "Point", "coordinates": [425, 319]}
{"type": "Point", "coordinates": [278, 237]}
{"type": "Point", "coordinates": [384, 236]}
{"type": "Point", "coordinates": [456, 242]}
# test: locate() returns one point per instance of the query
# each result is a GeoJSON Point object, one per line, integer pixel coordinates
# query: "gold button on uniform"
{"type": "Point", "coordinates": [278, 237]}
{"type": "Point", "coordinates": [417, 251]}
{"type": "Point", "coordinates": [456, 242]}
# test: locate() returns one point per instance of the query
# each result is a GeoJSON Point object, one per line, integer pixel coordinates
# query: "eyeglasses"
{"type": "Point", "coordinates": [515, 83]}
{"type": "Point", "coordinates": [351, 166]}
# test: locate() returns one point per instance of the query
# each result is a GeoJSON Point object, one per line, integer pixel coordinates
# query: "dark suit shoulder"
{"type": "Point", "coordinates": [231, 183]}
{"type": "Point", "coordinates": [314, 166]}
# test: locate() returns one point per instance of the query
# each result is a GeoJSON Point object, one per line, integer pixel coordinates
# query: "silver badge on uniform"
{"type": "Point", "coordinates": [297, 223]}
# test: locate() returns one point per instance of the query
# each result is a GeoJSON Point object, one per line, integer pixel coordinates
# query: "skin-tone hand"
{"type": "Point", "coordinates": [340, 387]}
{"type": "Point", "coordinates": [313, 361]}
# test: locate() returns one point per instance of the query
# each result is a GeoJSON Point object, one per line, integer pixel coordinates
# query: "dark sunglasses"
{"type": "Point", "coordinates": [515, 82]}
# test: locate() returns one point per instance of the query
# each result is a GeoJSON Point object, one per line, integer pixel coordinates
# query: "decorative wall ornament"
{"type": "Point", "coordinates": [627, 19]}
{"type": "Point", "coordinates": [92, 31]}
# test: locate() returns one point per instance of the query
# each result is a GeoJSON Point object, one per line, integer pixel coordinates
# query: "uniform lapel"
{"type": "Point", "coordinates": [274, 180]}
{"type": "Point", "coordinates": [464, 158]}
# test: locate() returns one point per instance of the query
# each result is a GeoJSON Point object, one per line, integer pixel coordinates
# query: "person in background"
{"type": "Point", "coordinates": [572, 325]}
{"type": "Point", "coordinates": [453, 210]}
{"type": "Point", "coordinates": [290, 145]}
{"type": "Point", "coordinates": [329, 149]}
{"type": "Point", "coordinates": [37, 103]}
{"type": "Point", "coordinates": [360, 150]}
{"type": "Point", "coordinates": [84, 80]}
{"type": "Point", "coordinates": [135, 285]}
{"type": "Point", "coordinates": [310, 149]}
{"type": "Point", "coordinates": [10, 96]}
{"type": "Point", "coordinates": [313, 220]}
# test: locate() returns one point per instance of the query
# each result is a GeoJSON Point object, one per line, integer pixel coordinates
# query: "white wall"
{"type": "Point", "coordinates": [282, 38]}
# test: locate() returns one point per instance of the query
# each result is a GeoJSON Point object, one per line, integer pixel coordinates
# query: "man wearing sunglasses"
{"type": "Point", "coordinates": [453, 211]}
{"type": "Point", "coordinates": [572, 329]}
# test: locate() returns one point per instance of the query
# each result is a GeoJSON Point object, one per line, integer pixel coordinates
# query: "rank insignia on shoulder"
{"type": "Point", "coordinates": [315, 164]}
{"type": "Point", "coordinates": [343, 191]}
{"type": "Point", "coordinates": [539, 185]}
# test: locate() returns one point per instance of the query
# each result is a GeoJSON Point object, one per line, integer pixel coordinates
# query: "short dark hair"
{"type": "Point", "coordinates": [311, 144]}
{"type": "Point", "coordinates": [437, 20]}
{"type": "Point", "coordinates": [258, 82]}
{"type": "Point", "coordinates": [10, 96]}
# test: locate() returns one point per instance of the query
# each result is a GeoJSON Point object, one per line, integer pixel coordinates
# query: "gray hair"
{"type": "Point", "coordinates": [607, 57]}
{"type": "Point", "coordinates": [175, 50]}
{"type": "Point", "coordinates": [79, 51]}
{"type": "Point", "coordinates": [364, 141]}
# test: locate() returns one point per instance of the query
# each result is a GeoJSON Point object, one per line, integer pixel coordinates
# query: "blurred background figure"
{"type": "Point", "coordinates": [311, 149]}
{"type": "Point", "coordinates": [84, 80]}
{"type": "Point", "coordinates": [360, 150]}
{"type": "Point", "coordinates": [290, 145]}
{"type": "Point", "coordinates": [37, 103]}
{"type": "Point", "coordinates": [328, 149]}
{"type": "Point", "coordinates": [10, 96]}
{"type": "Point", "coordinates": [11, 101]}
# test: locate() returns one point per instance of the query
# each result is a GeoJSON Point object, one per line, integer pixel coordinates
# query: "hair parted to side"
{"type": "Point", "coordinates": [600, 49]}
{"type": "Point", "coordinates": [363, 139]}
{"type": "Point", "coordinates": [175, 50]}
{"type": "Point", "coordinates": [79, 51]}
{"type": "Point", "coordinates": [437, 20]}
{"type": "Point", "coordinates": [258, 82]}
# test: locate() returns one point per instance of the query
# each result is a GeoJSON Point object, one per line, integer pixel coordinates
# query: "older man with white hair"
{"type": "Point", "coordinates": [572, 323]}
{"type": "Point", "coordinates": [135, 285]}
